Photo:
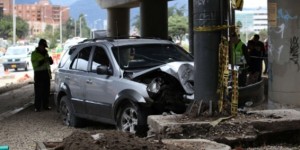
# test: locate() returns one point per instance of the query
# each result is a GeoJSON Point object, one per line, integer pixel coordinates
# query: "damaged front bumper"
{"type": "Point", "coordinates": [188, 97]}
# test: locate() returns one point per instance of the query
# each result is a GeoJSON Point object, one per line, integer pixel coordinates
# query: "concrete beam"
{"type": "Point", "coordinates": [249, 127]}
{"type": "Point", "coordinates": [118, 3]}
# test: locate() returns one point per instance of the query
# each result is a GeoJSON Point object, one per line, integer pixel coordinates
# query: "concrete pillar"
{"type": "Point", "coordinates": [283, 55]}
{"type": "Point", "coordinates": [206, 44]}
{"type": "Point", "coordinates": [154, 18]}
{"type": "Point", "coordinates": [191, 25]}
{"type": "Point", "coordinates": [118, 22]}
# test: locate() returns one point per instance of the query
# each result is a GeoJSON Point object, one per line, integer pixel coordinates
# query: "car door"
{"type": "Point", "coordinates": [77, 78]}
{"type": "Point", "coordinates": [98, 93]}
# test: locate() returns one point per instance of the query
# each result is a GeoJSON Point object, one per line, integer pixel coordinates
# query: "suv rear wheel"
{"type": "Point", "coordinates": [132, 119]}
{"type": "Point", "coordinates": [26, 67]}
{"type": "Point", "coordinates": [67, 114]}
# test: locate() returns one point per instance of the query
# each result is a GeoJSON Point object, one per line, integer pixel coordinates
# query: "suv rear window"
{"type": "Point", "coordinates": [148, 55]}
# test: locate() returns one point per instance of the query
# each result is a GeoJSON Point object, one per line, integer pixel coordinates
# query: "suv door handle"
{"type": "Point", "coordinates": [67, 77]}
{"type": "Point", "coordinates": [89, 81]}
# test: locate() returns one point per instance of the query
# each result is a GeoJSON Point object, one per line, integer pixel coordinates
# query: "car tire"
{"type": "Point", "coordinates": [67, 114]}
{"type": "Point", "coordinates": [133, 119]}
{"type": "Point", "coordinates": [26, 67]}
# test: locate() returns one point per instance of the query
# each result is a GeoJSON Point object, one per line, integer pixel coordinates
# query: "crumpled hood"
{"type": "Point", "coordinates": [183, 71]}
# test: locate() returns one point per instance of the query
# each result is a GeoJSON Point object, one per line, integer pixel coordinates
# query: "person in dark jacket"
{"type": "Point", "coordinates": [260, 50]}
{"type": "Point", "coordinates": [255, 63]}
{"type": "Point", "coordinates": [41, 62]}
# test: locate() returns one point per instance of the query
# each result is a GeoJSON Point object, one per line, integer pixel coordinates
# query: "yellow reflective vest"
{"type": "Point", "coordinates": [238, 54]}
{"type": "Point", "coordinates": [36, 57]}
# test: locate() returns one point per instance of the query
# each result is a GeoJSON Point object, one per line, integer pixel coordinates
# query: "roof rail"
{"type": "Point", "coordinates": [118, 37]}
{"type": "Point", "coordinates": [96, 39]}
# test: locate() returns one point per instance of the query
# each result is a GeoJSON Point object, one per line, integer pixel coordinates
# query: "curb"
{"type": "Point", "coordinates": [15, 111]}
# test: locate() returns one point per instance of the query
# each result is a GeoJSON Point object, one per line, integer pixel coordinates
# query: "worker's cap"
{"type": "Point", "coordinates": [43, 42]}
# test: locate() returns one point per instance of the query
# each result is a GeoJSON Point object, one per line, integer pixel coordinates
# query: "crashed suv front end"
{"type": "Point", "coordinates": [123, 81]}
{"type": "Point", "coordinates": [166, 70]}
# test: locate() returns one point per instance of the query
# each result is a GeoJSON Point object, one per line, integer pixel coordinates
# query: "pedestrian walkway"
{"type": "Point", "coordinates": [15, 100]}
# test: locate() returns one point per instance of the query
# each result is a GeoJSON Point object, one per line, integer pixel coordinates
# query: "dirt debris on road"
{"type": "Point", "coordinates": [112, 140]}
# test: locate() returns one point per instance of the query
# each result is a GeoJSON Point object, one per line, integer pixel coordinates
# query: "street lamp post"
{"type": "Point", "coordinates": [75, 28]}
{"type": "Point", "coordinates": [80, 25]}
{"type": "Point", "coordinates": [95, 22]}
{"type": "Point", "coordinates": [14, 23]}
{"type": "Point", "coordinates": [60, 24]}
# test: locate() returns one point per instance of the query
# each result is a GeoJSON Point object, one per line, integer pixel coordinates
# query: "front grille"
{"type": "Point", "coordinates": [14, 60]}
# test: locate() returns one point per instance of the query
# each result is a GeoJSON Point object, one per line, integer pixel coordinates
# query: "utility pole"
{"type": "Point", "coordinates": [80, 33]}
{"type": "Point", "coordinates": [60, 24]}
{"type": "Point", "coordinates": [14, 22]}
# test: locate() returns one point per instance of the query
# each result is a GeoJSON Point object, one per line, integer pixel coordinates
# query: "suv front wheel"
{"type": "Point", "coordinates": [67, 114]}
{"type": "Point", "coordinates": [133, 119]}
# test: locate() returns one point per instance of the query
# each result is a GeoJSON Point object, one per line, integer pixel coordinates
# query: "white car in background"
{"type": "Point", "coordinates": [17, 57]}
{"type": "Point", "coordinates": [71, 42]}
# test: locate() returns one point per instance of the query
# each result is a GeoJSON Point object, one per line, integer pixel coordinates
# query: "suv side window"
{"type": "Point", "coordinates": [100, 58]}
{"type": "Point", "coordinates": [81, 60]}
{"type": "Point", "coordinates": [65, 57]}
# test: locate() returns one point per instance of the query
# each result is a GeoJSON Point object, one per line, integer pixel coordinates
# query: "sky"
{"type": "Point", "coordinates": [255, 3]}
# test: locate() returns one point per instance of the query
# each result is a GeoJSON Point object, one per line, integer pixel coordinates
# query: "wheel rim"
{"type": "Point", "coordinates": [129, 120]}
{"type": "Point", "coordinates": [65, 114]}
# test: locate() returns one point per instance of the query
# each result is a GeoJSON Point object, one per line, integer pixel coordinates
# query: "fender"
{"type": "Point", "coordinates": [64, 90]}
{"type": "Point", "coordinates": [127, 94]}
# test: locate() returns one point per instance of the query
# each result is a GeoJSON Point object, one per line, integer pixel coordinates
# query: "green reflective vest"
{"type": "Point", "coordinates": [238, 54]}
{"type": "Point", "coordinates": [36, 57]}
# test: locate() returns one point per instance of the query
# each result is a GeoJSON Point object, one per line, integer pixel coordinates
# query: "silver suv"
{"type": "Point", "coordinates": [122, 81]}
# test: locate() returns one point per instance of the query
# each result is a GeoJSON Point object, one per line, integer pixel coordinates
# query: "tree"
{"type": "Point", "coordinates": [137, 22]}
{"type": "Point", "coordinates": [6, 27]}
{"type": "Point", "coordinates": [69, 29]}
{"type": "Point", "coordinates": [22, 28]}
{"type": "Point", "coordinates": [177, 14]}
{"type": "Point", "coordinates": [174, 10]}
{"type": "Point", "coordinates": [178, 27]}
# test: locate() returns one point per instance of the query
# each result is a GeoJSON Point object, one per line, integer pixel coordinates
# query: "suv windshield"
{"type": "Point", "coordinates": [16, 51]}
{"type": "Point", "coordinates": [148, 55]}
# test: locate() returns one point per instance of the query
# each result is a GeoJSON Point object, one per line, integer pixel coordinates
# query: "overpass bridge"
{"type": "Point", "coordinates": [284, 31]}
{"type": "Point", "coordinates": [153, 14]}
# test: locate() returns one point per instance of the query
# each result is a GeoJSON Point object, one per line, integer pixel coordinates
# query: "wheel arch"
{"type": "Point", "coordinates": [64, 91]}
{"type": "Point", "coordinates": [127, 96]}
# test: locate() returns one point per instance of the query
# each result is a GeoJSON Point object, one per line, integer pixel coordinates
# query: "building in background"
{"type": "Point", "coordinates": [253, 20]}
{"type": "Point", "coordinates": [5, 7]}
{"type": "Point", "coordinates": [260, 20]}
{"type": "Point", "coordinates": [37, 15]}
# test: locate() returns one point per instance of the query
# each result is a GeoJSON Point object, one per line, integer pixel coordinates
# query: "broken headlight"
{"type": "Point", "coordinates": [154, 87]}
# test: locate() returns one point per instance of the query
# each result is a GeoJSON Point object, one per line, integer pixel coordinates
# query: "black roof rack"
{"type": "Point", "coordinates": [118, 37]}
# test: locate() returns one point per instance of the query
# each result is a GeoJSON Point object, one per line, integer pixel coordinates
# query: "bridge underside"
{"type": "Point", "coordinates": [153, 16]}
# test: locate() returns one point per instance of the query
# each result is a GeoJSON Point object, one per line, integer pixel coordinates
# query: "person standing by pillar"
{"type": "Point", "coordinates": [259, 46]}
{"type": "Point", "coordinates": [239, 57]}
{"type": "Point", "coordinates": [266, 56]}
{"type": "Point", "coordinates": [41, 62]}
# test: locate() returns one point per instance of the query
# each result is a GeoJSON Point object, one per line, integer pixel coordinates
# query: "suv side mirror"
{"type": "Point", "coordinates": [103, 69]}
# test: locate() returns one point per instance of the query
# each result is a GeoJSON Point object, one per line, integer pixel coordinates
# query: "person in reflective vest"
{"type": "Point", "coordinates": [41, 62]}
{"type": "Point", "coordinates": [239, 58]}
